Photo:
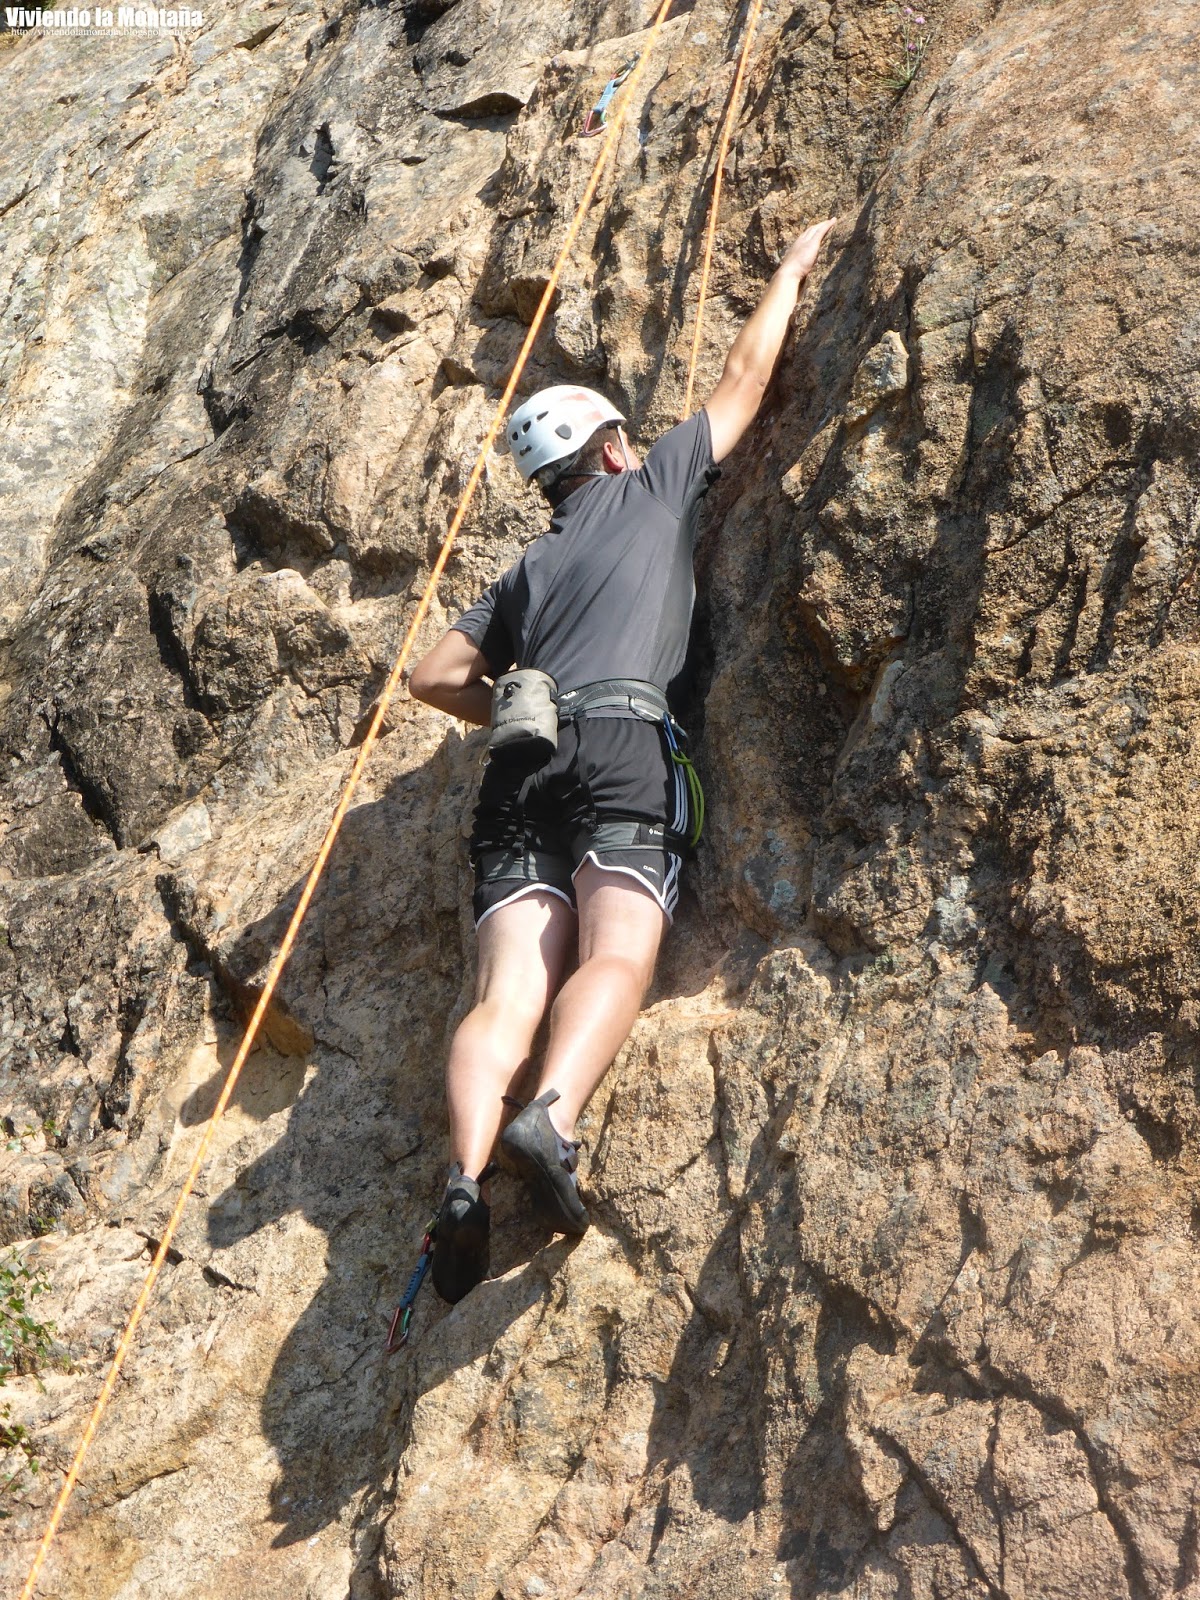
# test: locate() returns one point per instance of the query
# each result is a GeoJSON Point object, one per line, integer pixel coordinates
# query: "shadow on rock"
{"type": "Point", "coordinates": [341, 1199]}
{"type": "Point", "coordinates": [748, 1427]}
{"type": "Point", "coordinates": [376, 982]}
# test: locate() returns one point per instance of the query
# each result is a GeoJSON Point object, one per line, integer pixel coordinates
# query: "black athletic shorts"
{"type": "Point", "coordinates": [604, 797]}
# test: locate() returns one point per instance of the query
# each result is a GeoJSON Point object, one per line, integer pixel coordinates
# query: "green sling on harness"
{"type": "Point", "coordinates": [692, 778]}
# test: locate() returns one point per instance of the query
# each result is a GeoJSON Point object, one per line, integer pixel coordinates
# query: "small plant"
{"type": "Point", "coordinates": [14, 1440]}
{"type": "Point", "coordinates": [24, 1342]}
{"type": "Point", "coordinates": [915, 35]}
{"type": "Point", "coordinates": [14, 1141]}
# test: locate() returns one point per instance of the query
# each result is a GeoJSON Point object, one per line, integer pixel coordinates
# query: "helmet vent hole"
{"type": "Point", "coordinates": [525, 428]}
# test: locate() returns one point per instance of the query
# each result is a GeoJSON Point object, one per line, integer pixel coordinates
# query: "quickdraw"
{"type": "Point", "coordinates": [402, 1318]}
{"type": "Point", "coordinates": [692, 777]}
{"type": "Point", "coordinates": [597, 117]}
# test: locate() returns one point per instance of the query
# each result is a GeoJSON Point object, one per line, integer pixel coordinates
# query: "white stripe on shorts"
{"type": "Point", "coordinates": [519, 894]}
{"type": "Point", "coordinates": [667, 898]}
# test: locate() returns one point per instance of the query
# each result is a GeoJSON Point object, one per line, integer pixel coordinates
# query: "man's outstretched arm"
{"type": "Point", "coordinates": [734, 403]}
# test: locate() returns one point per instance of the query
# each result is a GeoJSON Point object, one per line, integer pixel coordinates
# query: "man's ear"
{"type": "Point", "coordinates": [613, 456]}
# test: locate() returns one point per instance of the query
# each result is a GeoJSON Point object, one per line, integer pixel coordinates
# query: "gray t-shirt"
{"type": "Point", "coordinates": [608, 591]}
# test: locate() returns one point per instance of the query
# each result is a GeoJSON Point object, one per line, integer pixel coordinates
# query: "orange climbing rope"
{"type": "Point", "coordinates": [715, 203]}
{"type": "Point", "coordinates": [612, 135]}
{"type": "Point", "coordinates": [612, 132]}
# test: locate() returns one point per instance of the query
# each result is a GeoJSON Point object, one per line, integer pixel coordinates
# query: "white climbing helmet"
{"type": "Point", "coordinates": [556, 423]}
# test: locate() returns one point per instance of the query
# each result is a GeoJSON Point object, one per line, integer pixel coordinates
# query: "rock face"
{"type": "Point", "coordinates": [893, 1280]}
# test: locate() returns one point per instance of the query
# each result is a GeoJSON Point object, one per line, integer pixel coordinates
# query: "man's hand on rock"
{"type": "Point", "coordinates": [802, 252]}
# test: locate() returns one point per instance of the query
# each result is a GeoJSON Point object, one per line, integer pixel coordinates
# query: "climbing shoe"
{"type": "Point", "coordinates": [460, 1240]}
{"type": "Point", "coordinates": [547, 1164]}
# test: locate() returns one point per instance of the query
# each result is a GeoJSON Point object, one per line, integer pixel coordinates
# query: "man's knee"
{"type": "Point", "coordinates": [510, 1010]}
{"type": "Point", "coordinates": [617, 912]}
{"type": "Point", "coordinates": [631, 970]}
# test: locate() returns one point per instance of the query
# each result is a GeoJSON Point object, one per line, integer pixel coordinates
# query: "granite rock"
{"type": "Point", "coordinates": [891, 1289]}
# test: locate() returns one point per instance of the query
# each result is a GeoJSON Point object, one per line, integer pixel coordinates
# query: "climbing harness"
{"type": "Point", "coordinates": [528, 710]}
{"type": "Point", "coordinates": [613, 697]}
{"type": "Point", "coordinates": [402, 1318]}
{"type": "Point", "coordinates": [612, 132]}
{"type": "Point", "coordinates": [632, 697]}
{"type": "Point", "coordinates": [597, 118]}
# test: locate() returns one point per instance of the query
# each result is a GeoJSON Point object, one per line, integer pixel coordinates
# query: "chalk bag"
{"type": "Point", "coordinates": [524, 719]}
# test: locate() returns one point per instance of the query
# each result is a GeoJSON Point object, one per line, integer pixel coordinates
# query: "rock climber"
{"type": "Point", "coordinates": [583, 806]}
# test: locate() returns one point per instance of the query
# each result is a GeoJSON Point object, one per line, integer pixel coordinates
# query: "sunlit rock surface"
{"type": "Point", "coordinates": [892, 1286]}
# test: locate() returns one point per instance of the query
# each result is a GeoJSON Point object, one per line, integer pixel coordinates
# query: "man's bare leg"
{"type": "Point", "coordinates": [522, 950]}
{"type": "Point", "coordinates": [620, 930]}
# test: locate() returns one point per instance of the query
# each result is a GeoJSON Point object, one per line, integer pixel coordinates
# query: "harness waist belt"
{"type": "Point", "coordinates": [614, 697]}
